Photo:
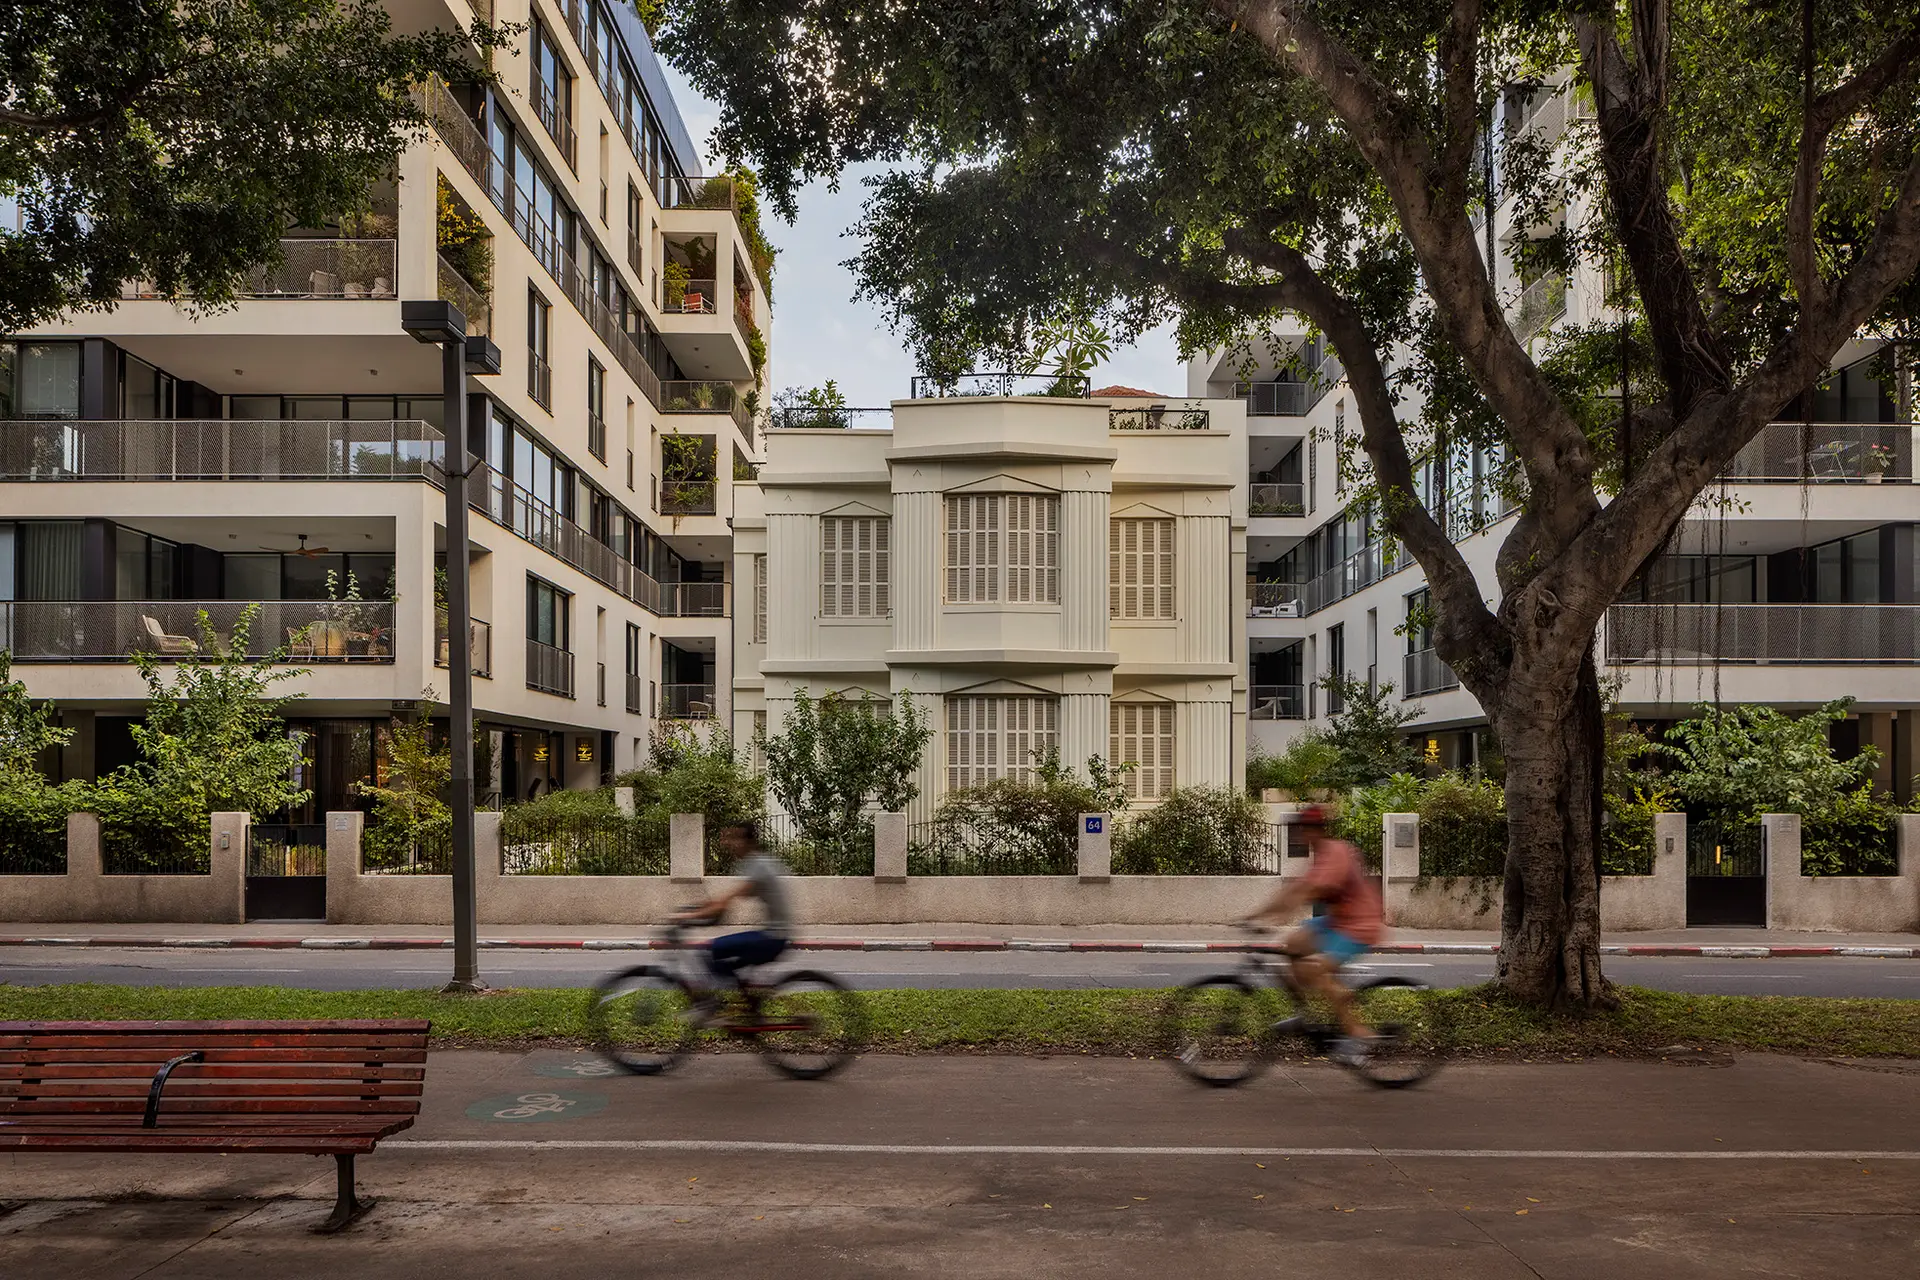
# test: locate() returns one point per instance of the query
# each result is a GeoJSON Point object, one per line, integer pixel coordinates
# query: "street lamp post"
{"type": "Point", "coordinates": [441, 324]}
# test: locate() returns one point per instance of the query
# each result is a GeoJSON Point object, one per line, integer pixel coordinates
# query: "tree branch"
{"type": "Point", "coordinates": [1459, 65]}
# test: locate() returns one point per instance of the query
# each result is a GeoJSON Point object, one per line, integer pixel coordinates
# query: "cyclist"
{"type": "Point", "coordinates": [762, 876]}
{"type": "Point", "coordinates": [1352, 924]}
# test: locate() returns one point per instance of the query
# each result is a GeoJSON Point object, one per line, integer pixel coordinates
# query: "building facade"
{"type": "Point", "coordinates": [1793, 581]}
{"type": "Point", "coordinates": [156, 464]}
{"type": "Point", "coordinates": [1041, 574]}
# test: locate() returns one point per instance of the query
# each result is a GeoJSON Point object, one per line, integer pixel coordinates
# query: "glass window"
{"type": "Point", "coordinates": [49, 560]}
{"type": "Point", "coordinates": [251, 577]}
{"type": "Point", "coordinates": [254, 408]}
{"type": "Point", "coordinates": [1863, 568]}
{"type": "Point", "coordinates": [546, 612]}
{"type": "Point", "coordinates": [431, 410]}
{"type": "Point", "coordinates": [305, 577]}
{"type": "Point", "coordinates": [39, 379]}
{"type": "Point", "coordinates": [314, 408]}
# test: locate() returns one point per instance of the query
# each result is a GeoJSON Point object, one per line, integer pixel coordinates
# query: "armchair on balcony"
{"type": "Point", "coordinates": [174, 646]}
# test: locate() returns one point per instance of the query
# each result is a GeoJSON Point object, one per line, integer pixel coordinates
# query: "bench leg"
{"type": "Point", "coordinates": [346, 1206]}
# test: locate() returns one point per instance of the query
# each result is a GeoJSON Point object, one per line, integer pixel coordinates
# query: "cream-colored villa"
{"type": "Point", "coordinates": [155, 464]}
{"type": "Point", "coordinates": [1040, 573]}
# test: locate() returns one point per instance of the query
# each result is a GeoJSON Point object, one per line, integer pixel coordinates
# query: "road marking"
{"type": "Point", "coordinates": [1016, 1149]}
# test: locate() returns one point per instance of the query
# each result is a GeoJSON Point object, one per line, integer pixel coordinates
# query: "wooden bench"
{"type": "Point", "coordinates": [303, 1088]}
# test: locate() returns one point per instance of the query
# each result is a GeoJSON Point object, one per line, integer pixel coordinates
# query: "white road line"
{"type": "Point", "coordinates": [1016, 1149]}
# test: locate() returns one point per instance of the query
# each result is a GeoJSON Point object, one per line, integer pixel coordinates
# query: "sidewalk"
{"type": "Point", "coordinates": [936, 936]}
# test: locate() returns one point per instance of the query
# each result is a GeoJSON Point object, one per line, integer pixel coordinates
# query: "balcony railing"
{"type": "Point", "coordinates": [708, 397]}
{"type": "Point", "coordinates": [1358, 571]}
{"type": "Point", "coordinates": [800, 417]}
{"type": "Point", "coordinates": [460, 291]}
{"type": "Point", "coordinates": [1805, 634]}
{"type": "Point", "coordinates": [686, 497]}
{"type": "Point", "coordinates": [597, 436]}
{"type": "Point", "coordinates": [1424, 673]}
{"type": "Point", "coordinates": [600, 683]}
{"type": "Point", "coordinates": [636, 694]}
{"type": "Point", "coordinates": [685, 702]}
{"type": "Point", "coordinates": [683, 599]}
{"type": "Point", "coordinates": [1273, 399]}
{"type": "Point", "coordinates": [512, 507]}
{"type": "Point", "coordinates": [1826, 453]}
{"type": "Point", "coordinates": [539, 380]}
{"type": "Point", "coordinates": [1274, 600]}
{"type": "Point", "coordinates": [216, 449]}
{"type": "Point", "coordinates": [480, 633]}
{"type": "Point", "coordinates": [327, 269]}
{"type": "Point", "coordinates": [1071, 386]}
{"type": "Point", "coordinates": [698, 193]}
{"type": "Point", "coordinates": [699, 298]}
{"type": "Point", "coordinates": [553, 114]}
{"type": "Point", "coordinates": [110, 630]}
{"type": "Point", "coordinates": [457, 129]}
{"type": "Point", "coordinates": [1276, 499]}
{"type": "Point", "coordinates": [1541, 303]}
{"type": "Point", "coordinates": [1277, 702]}
{"type": "Point", "coordinates": [1158, 417]}
{"type": "Point", "coordinates": [549, 670]}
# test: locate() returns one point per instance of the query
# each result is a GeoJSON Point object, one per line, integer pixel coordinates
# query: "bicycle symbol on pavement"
{"type": "Point", "coordinates": [524, 1108]}
{"type": "Point", "coordinates": [581, 1069]}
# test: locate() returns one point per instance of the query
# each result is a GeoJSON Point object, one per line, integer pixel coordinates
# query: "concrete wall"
{"type": "Point", "coordinates": [1868, 904]}
{"type": "Point", "coordinates": [86, 894]}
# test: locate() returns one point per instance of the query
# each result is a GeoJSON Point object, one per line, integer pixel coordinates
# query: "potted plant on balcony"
{"type": "Point", "coordinates": [1876, 462]}
{"type": "Point", "coordinates": [673, 286]}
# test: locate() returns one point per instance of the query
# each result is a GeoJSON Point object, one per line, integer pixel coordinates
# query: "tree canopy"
{"type": "Point", "coordinates": [176, 140]}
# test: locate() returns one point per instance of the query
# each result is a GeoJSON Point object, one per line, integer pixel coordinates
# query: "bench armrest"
{"type": "Point", "coordinates": [152, 1117]}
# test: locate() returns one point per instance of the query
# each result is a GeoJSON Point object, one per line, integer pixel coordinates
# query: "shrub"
{"type": "Point", "coordinates": [580, 833]}
{"type": "Point", "coordinates": [1199, 831]}
{"type": "Point", "coordinates": [1853, 834]}
{"type": "Point", "coordinates": [409, 813]}
{"type": "Point", "coordinates": [1362, 817]}
{"type": "Point", "coordinates": [688, 772]}
{"type": "Point", "coordinates": [33, 823]}
{"type": "Point", "coordinates": [1463, 827]}
{"type": "Point", "coordinates": [1305, 768]}
{"type": "Point", "coordinates": [1006, 827]}
{"type": "Point", "coordinates": [1626, 842]}
{"type": "Point", "coordinates": [836, 759]}
{"type": "Point", "coordinates": [1368, 735]}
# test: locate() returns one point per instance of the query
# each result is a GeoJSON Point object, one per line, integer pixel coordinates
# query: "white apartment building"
{"type": "Point", "coordinates": [156, 463]}
{"type": "Point", "coordinates": [1042, 574]}
{"type": "Point", "coordinates": [1794, 582]}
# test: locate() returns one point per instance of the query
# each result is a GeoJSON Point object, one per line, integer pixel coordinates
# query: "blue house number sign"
{"type": "Point", "coordinates": [1094, 824]}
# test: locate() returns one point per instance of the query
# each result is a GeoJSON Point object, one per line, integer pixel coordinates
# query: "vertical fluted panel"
{"type": "Point", "coordinates": [793, 575]}
{"type": "Point", "coordinates": [930, 776]}
{"type": "Point", "coordinates": [918, 570]}
{"type": "Point", "coordinates": [1083, 569]}
{"type": "Point", "coordinates": [1203, 576]}
{"type": "Point", "coordinates": [1203, 741]}
{"type": "Point", "coordinates": [1083, 727]}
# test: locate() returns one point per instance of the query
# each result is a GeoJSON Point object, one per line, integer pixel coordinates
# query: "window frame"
{"type": "Point", "coordinates": [1002, 740]}
{"type": "Point", "coordinates": [1148, 780]}
{"type": "Point", "coordinates": [856, 568]}
{"type": "Point", "coordinates": [1010, 544]}
{"type": "Point", "coordinates": [1151, 601]}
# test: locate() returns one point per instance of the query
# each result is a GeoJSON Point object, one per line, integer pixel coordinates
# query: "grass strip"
{"type": "Point", "coordinates": [1109, 1022]}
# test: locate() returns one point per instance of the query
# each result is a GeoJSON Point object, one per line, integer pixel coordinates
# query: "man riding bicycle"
{"type": "Point", "coordinates": [762, 876]}
{"type": "Point", "coordinates": [1352, 925]}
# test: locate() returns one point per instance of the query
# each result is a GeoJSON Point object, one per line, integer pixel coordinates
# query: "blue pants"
{"type": "Point", "coordinates": [728, 954]}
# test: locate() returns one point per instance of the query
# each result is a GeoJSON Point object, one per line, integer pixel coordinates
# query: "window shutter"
{"type": "Point", "coordinates": [1116, 566]}
{"type": "Point", "coordinates": [1019, 567]}
{"type": "Point", "coordinates": [998, 737]}
{"type": "Point", "coordinates": [760, 599]}
{"type": "Point", "coordinates": [829, 567]}
{"type": "Point", "coordinates": [882, 568]}
{"type": "Point", "coordinates": [1049, 548]}
{"type": "Point", "coordinates": [1163, 581]}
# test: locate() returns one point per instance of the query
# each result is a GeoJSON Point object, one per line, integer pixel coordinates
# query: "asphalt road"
{"type": "Point", "coordinates": [360, 970]}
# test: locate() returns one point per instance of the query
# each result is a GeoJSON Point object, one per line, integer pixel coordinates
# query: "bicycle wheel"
{"type": "Point", "coordinates": [1219, 1030]}
{"type": "Point", "coordinates": [640, 1019]}
{"type": "Point", "coordinates": [810, 1025]}
{"type": "Point", "coordinates": [1408, 1019]}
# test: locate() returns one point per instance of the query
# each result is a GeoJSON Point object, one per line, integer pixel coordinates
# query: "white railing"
{"type": "Point", "coordinates": [1276, 499]}
{"type": "Point", "coordinates": [1806, 634]}
{"type": "Point", "coordinates": [216, 449]}
{"type": "Point", "coordinates": [111, 630]}
{"type": "Point", "coordinates": [1424, 673]}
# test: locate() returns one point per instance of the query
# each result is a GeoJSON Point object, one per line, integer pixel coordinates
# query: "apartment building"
{"type": "Point", "coordinates": [156, 464]}
{"type": "Point", "coordinates": [1793, 582]}
{"type": "Point", "coordinates": [1040, 573]}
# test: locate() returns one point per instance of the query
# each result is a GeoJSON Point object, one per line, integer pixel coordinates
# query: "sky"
{"type": "Point", "coordinates": [820, 332]}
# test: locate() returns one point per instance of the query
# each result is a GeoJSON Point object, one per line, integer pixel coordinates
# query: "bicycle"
{"type": "Point", "coordinates": [806, 1024]}
{"type": "Point", "coordinates": [1222, 1030]}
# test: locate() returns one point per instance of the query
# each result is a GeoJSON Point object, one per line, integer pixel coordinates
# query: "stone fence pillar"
{"type": "Point", "coordinates": [1096, 848]}
{"type": "Point", "coordinates": [1399, 862]}
{"type": "Point", "coordinates": [890, 848]}
{"type": "Point", "coordinates": [1780, 846]}
{"type": "Point", "coordinates": [345, 827]}
{"type": "Point", "coordinates": [686, 848]}
{"type": "Point", "coordinates": [487, 865]}
{"type": "Point", "coordinates": [228, 835]}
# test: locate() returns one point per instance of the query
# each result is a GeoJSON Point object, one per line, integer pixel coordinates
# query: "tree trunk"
{"type": "Point", "coordinates": [1550, 917]}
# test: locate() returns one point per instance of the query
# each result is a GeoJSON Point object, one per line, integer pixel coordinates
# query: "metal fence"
{"type": "Point", "coordinates": [1265, 499]}
{"type": "Point", "coordinates": [549, 670]}
{"type": "Point", "coordinates": [1277, 702]}
{"type": "Point", "coordinates": [1825, 453]}
{"type": "Point", "coordinates": [807, 849]}
{"type": "Point", "coordinates": [131, 849]}
{"type": "Point", "coordinates": [685, 702]}
{"type": "Point", "coordinates": [691, 396]}
{"type": "Point", "coordinates": [430, 854]}
{"type": "Point", "coordinates": [930, 387]}
{"type": "Point", "coordinates": [687, 497]}
{"type": "Point", "coordinates": [316, 268]}
{"type": "Point", "coordinates": [1705, 634]}
{"type": "Point", "coordinates": [33, 844]}
{"type": "Point", "coordinates": [1724, 846]}
{"type": "Point", "coordinates": [217, 449]}
{"type": "Point", "coordinates": [544, 844]}
{"type": "Point", "coordinates": [1423, 672]}
{"type": "Point", "coordinates": [1159, 417]}
{"type": "Point", "coordinates": [110, 630]}
{"type": "Point", "coordinates": [1463, 845]}
{"type": "Point", "coordinates": [287, 849]}
{"type": "Point", "coordinates": [969, 844]}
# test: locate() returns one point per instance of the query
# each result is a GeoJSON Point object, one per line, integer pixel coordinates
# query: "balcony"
{"type": "Point", "coordinates": [685, 702]}
{"type": "Point", "coordinates": [699, 298]}
{"type": "Point", "coordinates": [1762, 634]}
{"type": "Point", "coordinates": [480, 643]}
{"type": "Point", "coordinates": [473, 304]}
{"type": "Point", "coordinates": [1277, 702]}
{"type": "Point", "coordinates": [1276, 499]}
{"type": "Point", "coordinates": [111, 630]}
{"type": "Point", "coordinates": [1358, 571]}
{"type": "Point", "coordinates": [686, 497]}
{"type": "Point", "coordinates": [683, 599]}
{"type": "Point", "coordinates": [1158, 417]}
{"type": "Point", "coordinates": [549, 670]}
{"type": "Point", "coordinates": [932, 387]}
{"type": "Point", "coordinates": [1424, 673]}
{"type": "Point", "coordinates": [708, 397]}
{"type": "Point", "coordinates": [1826, 453]}
{"type": "Point", "coordinates": [636, 694]}
{"type": "Point", "coordinates": [1274, 600]}
{"type": "Point", "coordinates": [347, 269]}
{"type": "Point", "coordinates": [804, 417]}
{"type": "Point", "coordinates": [1274, 399]}
{"type": "Point", "coordinates": [1541, 303]}
{"type": "Point", "coordinates": [457, 130]}
{"type": "Point", "coordinates": [540, 381]}
{"type": "Point", "coordinates": [554, 116]}
{"type": "Point", "coordinates": [216, 449]}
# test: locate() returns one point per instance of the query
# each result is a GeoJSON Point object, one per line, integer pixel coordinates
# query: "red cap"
{"type": "Point", "coordinates": [1310, 815]}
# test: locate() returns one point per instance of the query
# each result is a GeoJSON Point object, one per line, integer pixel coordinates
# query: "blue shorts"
{"type": "Point", "coordinates": [1330, 942]}
{"type": "Point", "coordinates": [728, 954]}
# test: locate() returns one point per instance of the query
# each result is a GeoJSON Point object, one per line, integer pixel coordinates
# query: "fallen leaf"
{"type": "Point", "coordinates": [1520, 1213]}
{"type": "Point", "coordinates": [1046, 1206]}
{"type": "Point", "coordinates": [1262, 1196]}
{"type": "Point", "coordinates": [1729, 1219]}
{"type": "Point", "coordinates": [693, 1179]}
{"type": "Point", "coordinates": [1531, 1200]}
{"type": "Point", "coordinates": [759, 1217]}
{"type": "Point", "coordinates": [1143, 1197]}
{"type": "Point", "coordinates": [1258, 1165]}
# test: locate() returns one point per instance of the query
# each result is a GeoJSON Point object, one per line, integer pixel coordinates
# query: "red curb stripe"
{"type": "Point", "coordinates": [1802, 951]}
{"type": "Point", "coordinates": [832, 944]}
{"type": "Point", "coordinates": [968, 944]}
{"type": "Point", "coordinates": [277, 944]}
{"type": "Point", "coordinates": [1660, 949]}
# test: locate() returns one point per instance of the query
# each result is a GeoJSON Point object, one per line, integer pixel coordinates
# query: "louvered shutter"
{"type": "Point", "coordinates": [882, 568]}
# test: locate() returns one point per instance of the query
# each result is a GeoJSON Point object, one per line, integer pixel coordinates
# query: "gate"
{"type": "Point", "coordinates": [1726, 874]}
{"type": "Point", "coordinates": [287, 871]}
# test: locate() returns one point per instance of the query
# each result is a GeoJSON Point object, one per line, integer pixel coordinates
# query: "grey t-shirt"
{"type": "Point", "coordinates": [768, 876]}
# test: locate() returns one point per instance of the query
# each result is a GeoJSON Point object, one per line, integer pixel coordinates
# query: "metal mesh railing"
{"type": "Point", "coordinates": [217, 449]}
{"type": "Point", "coordinates": [1277, 702]}
{"type": "Point", "coordinates": [110, 630]}
{"type": "Point", "coordinates": [456, 129]}
{"type": "Point", "coordinates": [287, 849]}
{"type": "Point", "coordinates": [327, 269]}
{"type": "Point", "coordinates": [1159, 417]}
{"type": "Point", "coordinates": [543, 844]}
{"type": "Point", "coordinates": [688, 497]}
{"type": "Point", "coordinates": [972, 844]}
{"type": "Point", "coordinates": [929, 387]}
{"type": "Point", "coordinates": [1276, 499]}
{"type": "Point", "coordinates": [462, 293]}
{"type": "Point", "coordinates": [1825, 453]}
{"type": "Point", "coordinates": [1706, 634]}
{"type": "Point", "coordinates": [1424, 672]}
{"type": "Point", "coordinates": [549, 669]}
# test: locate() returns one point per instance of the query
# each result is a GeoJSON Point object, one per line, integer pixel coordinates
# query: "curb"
{"type": "Point", "coordinates": [1783, 952]}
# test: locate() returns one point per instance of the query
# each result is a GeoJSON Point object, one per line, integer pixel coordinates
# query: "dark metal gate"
{"type": "Point", "coordinates": [287, 871]}
{"type": "Point", "coordinates": [1726, 874]}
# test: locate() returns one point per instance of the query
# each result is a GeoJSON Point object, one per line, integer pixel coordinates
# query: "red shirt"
{"type": "Point", "coordinates": [1340, 878]}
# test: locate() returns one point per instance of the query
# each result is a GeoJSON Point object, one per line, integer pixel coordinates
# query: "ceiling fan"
{"type": "Point", "coordinates": [302, 550]}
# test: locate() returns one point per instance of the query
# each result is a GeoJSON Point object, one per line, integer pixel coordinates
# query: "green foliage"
{"type": "Point", "coordinates": [1194, 831]}
{"type": "Point", "coordinates": [1304, 768]}
{"type": "Point", "coordinates": [1361, 820]}
{"type": "Point", "coordinates": [820, 408]}
{"type": "Point", "coordinates": [1626, 840]}
{"type": "Point", "coordinates": [1463, 827]}
{"type": "Point", "coordinates": [1066, 347]}
{"type": "Point", "coordinates": [1018, 826]}
{"type": "Point", "coordinates": [834, 758]}
{"type": "Point", "coordinates": [690, 772]}
{"type": "Point", "coordinates": [410, 815]}
{"type": "Point", "coordinates": [1750, 760]}
{"type": "Point", "coordinates": [581, 833]}
{"type": "Point", "coordinates": [1367, 735]}
{"type": "Point", "coordinates": [33, 822]}
{"type": "Point", "coordinates": [175, 143]}
{"type": "Point", "coordinates": [674, 278]}
{"type": "Point", "coordinates": [149, 823]}
{"type": "Point", "coordinates": [463, 239]}
{"type": "Point", "coordinates": [1855, 833]}
{"type": "Point", "coordinates": [756, 352]}
{"type": "Point", "coordinates": [28, 729]}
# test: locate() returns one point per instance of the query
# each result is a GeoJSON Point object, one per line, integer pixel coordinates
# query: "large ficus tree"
{"type": "Point", "coordinates": [176, 140]}
{"type": "Point", "coordinates": [1749, 178]}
